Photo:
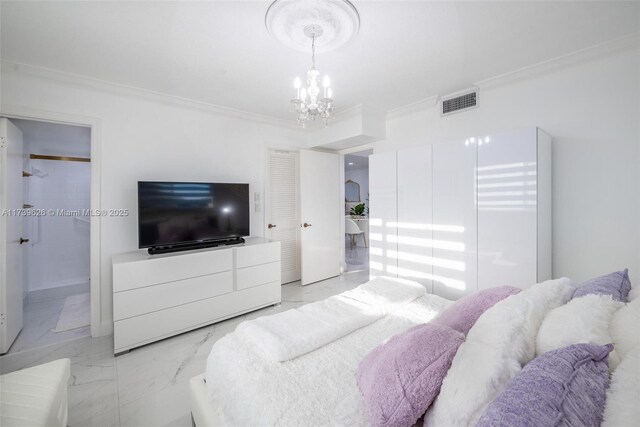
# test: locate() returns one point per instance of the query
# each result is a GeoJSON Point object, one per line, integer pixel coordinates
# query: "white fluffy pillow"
{"type": "Point", "coordinates": [582, 320]}
{"type": "Point", "coordinates": [622, 407]}
{"type": "Point", "coordinates": [499, 344]}
{"type": "Point", "coordinates": [624, 329]}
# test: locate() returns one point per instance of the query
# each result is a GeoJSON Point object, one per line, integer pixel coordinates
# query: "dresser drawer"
{"type": "Point", "coordinates": [140, 330]}
{"type": "Point", "coordinates": [257, 275]}
{"type": "Point", "coordinates": [164, 269]}
{"type": "Point", "coordinates": [248, 256]}
{"type": "Point", "coordinates": [159, 297]}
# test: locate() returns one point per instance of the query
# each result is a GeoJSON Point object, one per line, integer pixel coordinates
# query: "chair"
{"type": "Point", "coordinates": [351, 228]}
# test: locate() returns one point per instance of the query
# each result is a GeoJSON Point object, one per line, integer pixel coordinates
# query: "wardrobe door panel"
{"type": "Point", "coordinates": [383, 199]}
{"type": "Point", "coordinates": [415, 252]}
{"type": "Point", "coordinates": [454, 219]}
{"type": "Point", "coordinates": [507, 209]}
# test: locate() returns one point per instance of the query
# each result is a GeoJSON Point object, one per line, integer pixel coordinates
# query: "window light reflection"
{"type": "Point", "coordinates": [427, 243]}
{"type": "Point", "coordinates": [427, 260]}
{"type": "Point", "coordinates": [432, 227]}
{"type": "Point", "coordinates": [506, 166]}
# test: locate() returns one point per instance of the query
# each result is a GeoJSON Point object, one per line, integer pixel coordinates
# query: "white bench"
{"type": "Point", "coordinates": [35, 396]}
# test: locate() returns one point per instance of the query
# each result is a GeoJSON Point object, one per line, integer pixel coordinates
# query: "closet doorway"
{"type": "Point", "coordinates": [304, 213]}
{"type": "Point", "coordinates": [48, 177]}
{"type": "Point", "coordinates": [356, 210]}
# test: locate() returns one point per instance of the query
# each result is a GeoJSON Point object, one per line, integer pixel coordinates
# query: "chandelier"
{"type": "Point", "coordinates": [328, 25]}
{"type": "Point", "coordinates": [308, 104]}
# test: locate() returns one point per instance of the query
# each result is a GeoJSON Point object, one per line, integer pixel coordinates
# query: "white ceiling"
{"type": "Point", "coordinates": [220, 52]}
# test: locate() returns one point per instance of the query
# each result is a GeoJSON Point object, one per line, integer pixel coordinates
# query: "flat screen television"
{"type": "Point", "coordinates": [183, 214]}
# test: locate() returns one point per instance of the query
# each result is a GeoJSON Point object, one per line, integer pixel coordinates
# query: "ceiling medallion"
{"type": "Point", "coordinates": [325, 25]}
{"type": "Point", "coordinates": [286, 21]}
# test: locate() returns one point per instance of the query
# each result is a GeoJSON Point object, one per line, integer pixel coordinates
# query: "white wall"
{"type": "Point", "coordinates": [592, 111]}
{"type": "Point", "coordinates": [58, 252]}
{"type": "Point", "coordinates": [144, 139]}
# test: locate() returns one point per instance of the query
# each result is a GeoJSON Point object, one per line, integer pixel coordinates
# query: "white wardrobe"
{"type": "Point", "coordinates": [464, 215]}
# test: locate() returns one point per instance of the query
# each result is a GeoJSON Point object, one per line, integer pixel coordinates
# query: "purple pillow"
{"type": "Point", "coordinates": [616, 284]}
{"type": "Point", "coordinates": [567, 386]}
{"type": "Point", "coordinates": [462, 314]}
{"type": "Point", "coordinates": [401, 377]}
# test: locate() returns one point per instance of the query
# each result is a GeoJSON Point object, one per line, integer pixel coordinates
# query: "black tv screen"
{"type": "Point", "coordinates": [173, 213]}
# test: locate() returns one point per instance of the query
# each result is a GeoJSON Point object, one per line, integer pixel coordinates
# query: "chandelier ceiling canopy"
{"type": "Point", "coordinates": [286, 21]}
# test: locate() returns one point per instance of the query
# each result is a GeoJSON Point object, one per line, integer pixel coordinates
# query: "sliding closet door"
{"type": "Point", "coordinates": [454, 219]}
{"type": "Point", "coordinates": [383, 201]}
{"type": "Point", "coordinates": [415, 252]}
{"type": "Point", "coordinates": [507, 209]}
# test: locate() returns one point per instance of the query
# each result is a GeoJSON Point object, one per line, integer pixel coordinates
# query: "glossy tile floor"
{"type": "Point", "coordinates": [357, 258]}
{"type": "Point", "coordinates": [149, 385]}
{"type": "Point", "coordinates": [40, 319]}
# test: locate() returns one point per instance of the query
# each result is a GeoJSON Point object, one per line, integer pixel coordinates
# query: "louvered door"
{"type": "Point", "coordinates": [283, 223]}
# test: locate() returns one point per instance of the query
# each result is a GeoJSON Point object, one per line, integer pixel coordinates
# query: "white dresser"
{"type": "Point", "coordinates": [157, 296]}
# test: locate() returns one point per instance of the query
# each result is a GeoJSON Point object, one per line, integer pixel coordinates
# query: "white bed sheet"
{"type": "Point", "coordinates": [318, 388]}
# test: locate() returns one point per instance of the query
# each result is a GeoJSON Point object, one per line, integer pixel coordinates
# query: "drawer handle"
{"type": "Point", "coordinates": [270, 226]}
{"type": "Point", "coordinates": [305, 225]}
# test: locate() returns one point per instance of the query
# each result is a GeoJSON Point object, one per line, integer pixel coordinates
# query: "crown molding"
{"type": "Point", "coordinates": [628, 42]}
{"type": "Point", "coordinates": [416, 106]}
{"type": "Point", "coordinates": [621, 44]}
{"type": "Point", "coordinates": [8, 66]}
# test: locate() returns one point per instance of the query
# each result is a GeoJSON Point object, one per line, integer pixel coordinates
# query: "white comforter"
{"type": "Point", "coordinates": [318, 388]}
{"type": "Point", "coordinates": [295, 332]}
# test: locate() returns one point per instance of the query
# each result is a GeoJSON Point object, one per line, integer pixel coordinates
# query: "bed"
{"type": "Point", "coordinates": [249, 380]}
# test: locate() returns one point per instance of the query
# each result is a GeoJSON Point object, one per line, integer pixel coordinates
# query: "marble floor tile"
{"type": "Point", "coordinates": [149, 385]}
{"type": "Point", "coordinates": [39, 321]}
{"type": "Point", "coordinates": [356, 258]}
{"type": "Point", "coordinates": [76, 313]}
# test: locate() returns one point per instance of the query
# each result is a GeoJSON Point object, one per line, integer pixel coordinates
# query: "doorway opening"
{"type": "Point", "coordinates": [356, 206]}
{"type": "Point", "coordinates": [55, 187]}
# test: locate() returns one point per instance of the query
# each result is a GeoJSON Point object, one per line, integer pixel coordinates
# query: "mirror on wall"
{"type": "Point", "coordinates": [351, 191]}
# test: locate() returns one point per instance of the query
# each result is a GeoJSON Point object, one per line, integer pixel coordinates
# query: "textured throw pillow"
{"type": "Point", "coordinates": [462, 314]}
{"type": "Point", "coordinates": [624, 330]}
{"type": "Point", "coordinates": [616, 284]}
{"type": "Point", "coordinates": [581, 320]}
{"type": "Point", "coordinates": [501, 342]}
{"type": "Point", "coordinates": [622, 408]}
{"type": "Point", "coordinates": [563, 387]}
{"type": "Point", "coordinates": [400, 378]}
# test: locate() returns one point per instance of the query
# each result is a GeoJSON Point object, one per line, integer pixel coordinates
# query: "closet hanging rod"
{"type": "Point", "coordinates": [63, 158]}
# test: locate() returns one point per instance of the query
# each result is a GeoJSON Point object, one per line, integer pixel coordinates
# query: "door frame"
{"type": "Point", "coordinates": [13, 112]}
{"type": "Point", "coordinates": [356, 149]}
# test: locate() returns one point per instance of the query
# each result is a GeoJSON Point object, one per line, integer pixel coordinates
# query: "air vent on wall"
{"type": "Point", "coordinates": [459, 102]}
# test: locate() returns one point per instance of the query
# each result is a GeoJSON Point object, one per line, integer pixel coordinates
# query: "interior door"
{"type": "Point", "coordinates": [283, 219]}
{"type": "Point", "coordinates": [320, 214]}
{"type": "Point", "coordinates": [11, 227]}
